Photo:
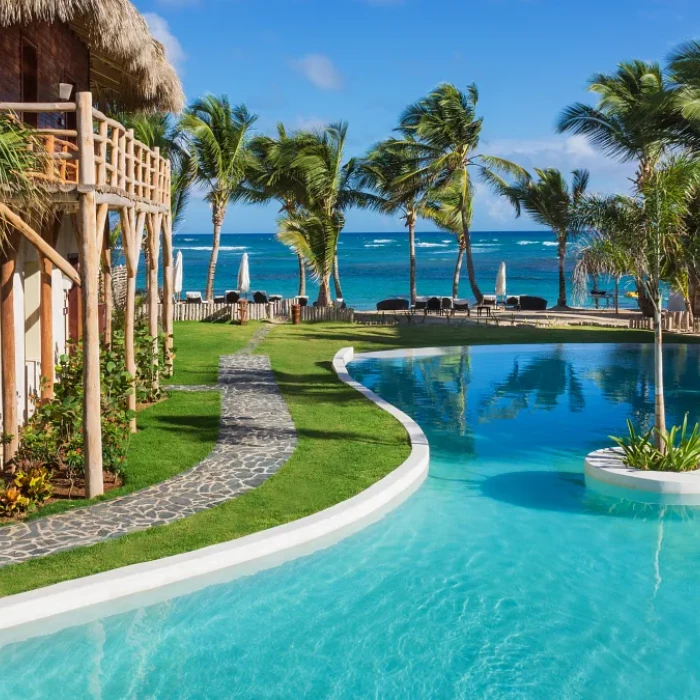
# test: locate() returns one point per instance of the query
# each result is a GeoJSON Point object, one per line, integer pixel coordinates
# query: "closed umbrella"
{"type": "Point", "coordinates": [177, 284]}
{"type": "Point", "coordinates": [244, 276]}
{"type": "Point", "coordinates": [501, 281]}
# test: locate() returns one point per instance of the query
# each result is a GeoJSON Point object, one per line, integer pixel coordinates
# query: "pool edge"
{"type": "Point", "coordinates": [49, 609]}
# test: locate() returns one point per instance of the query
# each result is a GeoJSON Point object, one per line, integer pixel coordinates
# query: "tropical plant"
{"type": "Point", "coordinates": [329, 189]}
{"type": "Point", "coordinates": [447, 128]}
{"type": "Point", "coordinates": [550, 202]}
{"type": "Point", "coordinates": [218, 135]}
{"type": "Point", "coordinates": [387, 170]}
{"type": "Point", "coordinates": [272, 177]}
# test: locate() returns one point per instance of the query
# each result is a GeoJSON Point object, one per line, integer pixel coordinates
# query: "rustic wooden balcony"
{"type": "Point", "coordinates": [122, 171]}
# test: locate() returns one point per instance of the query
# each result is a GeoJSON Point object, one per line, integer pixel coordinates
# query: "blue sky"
{"type": "Point", "coordinates": [306, 62]}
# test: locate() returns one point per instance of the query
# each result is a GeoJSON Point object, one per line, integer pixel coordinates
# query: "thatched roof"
{"type": "Point", "coordinates": [128, 66]}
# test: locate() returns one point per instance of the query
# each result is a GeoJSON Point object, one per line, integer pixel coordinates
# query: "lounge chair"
{"type": "Point", "coordinates": [434, 305]}
{"type": "Point", "coordinates": [232, 296]}
{"type": "Point", "coordinates": [528, 303]}
{"type": "Point", "coordinates": [340, 303]}
{"type": "Point", "coordinates": [302, 301]}
{"type": "Point", "coordinates": [275, 297]}
{"type": "Point", "coordinates": [393, 305]}
{"type": "Point", "coordinates": [460, 305]}
{"type": "Point", "coordinates": [220, 299]}
{"type": "Point", "coordinates": [446, 305]}
{"type": "Point", "coordinates": [260, 298]}
{"type": "Point", "coordinates": [421, 304]}
{"type": "Point", "coordinates": [193, 297]}
{"type": "Point", "coordinates": [513, 303]}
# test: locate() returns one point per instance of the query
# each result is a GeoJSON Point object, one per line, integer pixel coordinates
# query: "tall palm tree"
{"type": "Point", "coordinates": [219, 136]}
{"type": "Point", "coordinates": [550, 202]}
{"type": "Point", "coordinates": [446, 125]}
{"type": "Point", "coordinates": [384, 171]}
{"type": "Point", "coordinates": [329, 190]}
{"type": "Point", "coordinates": [272, 177]}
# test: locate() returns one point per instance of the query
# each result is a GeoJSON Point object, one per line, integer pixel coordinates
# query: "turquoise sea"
{"type": "Point", "coordinates": [374, 266]}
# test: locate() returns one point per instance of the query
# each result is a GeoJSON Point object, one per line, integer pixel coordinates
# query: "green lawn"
{"type": "Point", "coordinates": [345, 442]}
{"type": "Point", "coordinates": [198, 347]}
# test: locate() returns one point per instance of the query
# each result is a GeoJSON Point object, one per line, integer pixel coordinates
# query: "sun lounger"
{"type": "Point", "coordinates": [393, 305]}
{"type": "Point", "coordinates": [260, 298]}
{"type": "Point", "coordinates": [528, 303]}
{"type": "Point", "coordinates": [232, 296]}
{"type": "Point", "coordinates": [193, 297]}
{"type": "Point", "coordinates": [446, 305]}
{"type": "Point", "coordinates": [302, 300]}
{"type": "Point", "coordinates": [275, 297]}
{"type": "Point", "coordinates": [434, 305]}
{"type": "Point", "coordinates": [460, 305]}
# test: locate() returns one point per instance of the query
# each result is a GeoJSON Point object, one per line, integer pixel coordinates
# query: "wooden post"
{"type": "Point", "coordinates": [89, 272]}
{"type": "Point", "coordinates": [108, 296]}
{"type": "Point", "coordinates": [168, 287]}
{"type": "Point", "coordinates": [154, 226]}
{"type": "Point", "coordinates": [51, 232]}
{"type": "Point", "coordinates": [132, 228]}
{"type": "Point", "coordinates": [10, 423]}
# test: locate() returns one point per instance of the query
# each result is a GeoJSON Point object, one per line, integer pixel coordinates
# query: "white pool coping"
{"type": "Point", "coordinates": [606, 465]}
{"type": "Point", "coordinates": [76, 602]}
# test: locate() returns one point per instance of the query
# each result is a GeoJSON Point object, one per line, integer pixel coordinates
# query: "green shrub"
{"type": "Point", "coordinates": [681, 451]}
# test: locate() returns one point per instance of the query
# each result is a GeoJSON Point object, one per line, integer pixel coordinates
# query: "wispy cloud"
{"type": "Point", "coordinates": [319, 70]}
{"type": "Point", "coordinates": [161, 31]}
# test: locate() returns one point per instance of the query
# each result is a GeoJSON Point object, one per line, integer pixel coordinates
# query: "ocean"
{"type": "Point", "coordinates": [374, 266]}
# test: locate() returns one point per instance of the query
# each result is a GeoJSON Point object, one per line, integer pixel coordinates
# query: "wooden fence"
{"type": "Point", "coordinates": [679, 321]}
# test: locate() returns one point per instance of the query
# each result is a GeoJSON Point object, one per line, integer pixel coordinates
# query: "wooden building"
{"type": "Point", "coordinates": [65, 64]}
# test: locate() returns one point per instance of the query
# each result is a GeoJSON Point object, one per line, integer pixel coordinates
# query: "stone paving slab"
{"type": "Point", "coordinates": [256, 437]}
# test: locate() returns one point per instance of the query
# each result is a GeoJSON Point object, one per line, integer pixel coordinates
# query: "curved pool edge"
{"type": "Point", "coordinates": [70, 603]}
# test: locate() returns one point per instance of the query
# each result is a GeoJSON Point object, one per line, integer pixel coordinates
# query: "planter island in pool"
{"type": "Point", "coordinates": [605, 468]}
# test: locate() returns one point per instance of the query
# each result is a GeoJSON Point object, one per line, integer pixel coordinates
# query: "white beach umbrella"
{"type": "Point", "coordinates": [244, 275]}
{"type": "Point", "coordinates": [501, 280]}
{"type": "Point", "coordinates": [177, 283]}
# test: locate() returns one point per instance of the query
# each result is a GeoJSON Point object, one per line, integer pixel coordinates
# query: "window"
{"type": "Point", "coordinates": [30, 80]}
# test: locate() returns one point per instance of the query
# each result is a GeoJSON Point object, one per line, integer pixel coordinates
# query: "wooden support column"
{"type": "Point", "coordinates": [10, 423]}
{"type": "Point", "coordinates": [168, 292]}
{"type": "Point", "coordinates": [107, 283]}
{"type": "Point", "coordinates": [153, 242]}
{"type": "Point", "coordinates": [132, 230]}
{"type": "Point", "coordinates": [51, 230]}
{"type": "Point", "coordinates": [89, 273]}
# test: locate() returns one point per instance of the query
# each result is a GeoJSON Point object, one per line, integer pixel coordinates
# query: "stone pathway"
{"type": "Point", "coordinates": [256, 437]}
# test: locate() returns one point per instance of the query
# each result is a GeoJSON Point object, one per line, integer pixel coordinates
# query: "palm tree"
{"type": "Point", "coordinates": [384, 171]}
{"type": "Point", "coordinates": [643, 235]}
{"type": "Point", "coordinates": [447, 128]}
{"type": "Point", "coordinates": [272, 177]}
{"type": "Point", "coordinates": [218, 134]}
{"type": "Point", "coordinates": [550, 202]}
{"type": "Point", "coordinates": [329, 190]}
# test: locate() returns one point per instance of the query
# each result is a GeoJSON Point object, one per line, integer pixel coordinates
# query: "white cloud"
{"type": "Point", "coordinates": [319, 69]}
{"type": "Point", "coordinates": [161, 31]}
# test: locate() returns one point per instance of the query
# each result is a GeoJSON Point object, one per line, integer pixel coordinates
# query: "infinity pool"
{"type": "Point", "coordinates": [502, 577]}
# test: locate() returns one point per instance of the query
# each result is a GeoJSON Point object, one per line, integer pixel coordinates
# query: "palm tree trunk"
{"type": "Point", "coordinates": [458, 269]}
{"type": "Point", "coordinates": [659, 404]}
{"type": "Point", "coordinates": [336, 277]}
{"type": "Point", "coordinates": [646, 305]}
{"type": "Point", "coordinates": [466, 241]}
{"type": "Point", "coordinates": [324, 292]}
{"type": "Point", "coordinates": [411, 223]}
{"type": "Point", "coordinates": [561, 251]}
{"type": "Point", "coordinates": [302, 275]}
{"type": "Point", "coordinates": [218, 221]}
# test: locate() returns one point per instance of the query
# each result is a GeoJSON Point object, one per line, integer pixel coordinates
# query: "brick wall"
{"type": "Point", "coordinates": [62, 57]}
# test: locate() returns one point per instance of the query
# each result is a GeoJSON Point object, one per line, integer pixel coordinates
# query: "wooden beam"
{"type": "Point", "coordinates": [107, 282]}
{"type": "Point", "coordinates": [39, 243]}
{"type": "Point", "coordinates": [168, 293]}
{"type": "Point", "coordinates": [89, 269]}
{"type": "Point", "coordinates": [10, 423]}
{"type": "Point", "coordinates": [154, 228]}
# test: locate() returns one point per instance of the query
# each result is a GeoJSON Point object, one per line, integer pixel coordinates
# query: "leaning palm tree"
{"type": "Point", "coordinates": [550, 202]}
{"type": "Point", "coordinates": [384, 171]}
{"type": "Point", "coordinates": [448, 130]}
{"type": "Point", "coordinates": [329, 190]}
{"type": "Point", "coordinates": [218, 134]}
{"type": "Point", "coordinates": [272, 177]}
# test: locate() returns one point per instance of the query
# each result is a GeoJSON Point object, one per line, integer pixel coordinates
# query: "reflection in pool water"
{"type": "Point", "coordinates": [502, 577]}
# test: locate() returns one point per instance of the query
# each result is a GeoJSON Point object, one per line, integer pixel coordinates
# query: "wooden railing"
{"type": "Point", "coordinates": [122, 164]}
{"type": "Point", "coordinates": [679, 321]}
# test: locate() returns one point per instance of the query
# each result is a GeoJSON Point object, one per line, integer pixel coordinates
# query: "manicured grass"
{"type": "Point", "coordinates": [345, 442]}
{"type": "Point", "coordinates": [173, 436]}
{"type": "Point", "coordinates": [198, 347]}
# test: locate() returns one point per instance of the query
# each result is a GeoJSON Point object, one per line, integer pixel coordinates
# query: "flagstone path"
{"type": "Point", "coordinates": [256, 437]}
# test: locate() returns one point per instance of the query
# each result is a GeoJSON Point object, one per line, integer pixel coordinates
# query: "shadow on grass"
{"type": "Point", "coordinates": [205, 428]}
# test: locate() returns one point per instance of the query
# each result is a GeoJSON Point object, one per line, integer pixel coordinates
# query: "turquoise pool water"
{"type": "Point", "coordinates": [502, 577]}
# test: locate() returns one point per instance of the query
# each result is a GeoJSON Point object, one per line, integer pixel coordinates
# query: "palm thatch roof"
{"type": "Point", "coordinates": [128, 66]}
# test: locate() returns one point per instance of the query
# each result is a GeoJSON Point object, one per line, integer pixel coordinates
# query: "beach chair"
{"type": "Point", "coordinates": [393, 305]}
{"type": "Point", "coordinates": [420, 305]}
{"type": "Point", "coordinates": [460, 305]}
{"type": "Point", "coordinates": [260, 298]}
{"type": "Point", "coordinates": [528, 303]}
{"type": "Point", "coordinates": [434, 305]}
{"type": "Point", "coordinates": [232, 296]}
{"type": "Point", "coordinates": [513, 303]}
{"type": "Point", "coordinates": [446, 305]}
{"type": "Point", "coordinates": [302, 300]}
{"type": "Point", "coordinates": [275, 297]}
{"type": "Point", "coordinates": [193, 297]}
